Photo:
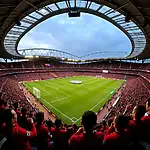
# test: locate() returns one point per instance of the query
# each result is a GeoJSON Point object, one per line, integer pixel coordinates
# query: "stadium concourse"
{"type": "Point", "coordinates": [25, 127]}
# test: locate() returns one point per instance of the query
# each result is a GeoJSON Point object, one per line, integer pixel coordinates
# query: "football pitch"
{"type": "Point", "coordinates": [68, 101]}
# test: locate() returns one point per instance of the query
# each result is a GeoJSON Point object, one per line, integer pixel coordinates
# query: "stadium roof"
{"type": "Point", "coordinates": [32, 12]}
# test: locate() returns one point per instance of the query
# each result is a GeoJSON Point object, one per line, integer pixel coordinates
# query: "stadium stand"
{"type": "Point", "coordinates": [123, 123]}
{"type": "Point", "coordinates": [56, 135]}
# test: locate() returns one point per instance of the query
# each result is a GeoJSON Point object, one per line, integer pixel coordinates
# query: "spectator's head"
{"type": "Point", "coordinates": [75, 127]}
{"type": "Point", "coordinates": [58, 123]}
{"type": "Point", "coordinates": [15, 105]}
{"type": "Point", "coordinates": [148, 105]}
{"type": "Point", "coordinates": [9, 116]}
{"type": "Point", "coordinates": [89, 119]}
{"type": "Point", "coordinates": [49, 123]}
{"type": "Point", "coordinates": [40, 117]}
{"type": "Point", "coordinates": [138, 112]}
{"type": "Point", "coordinates": [120, 123]}
{"type": "Point", "coordinates": [65, 125]}
{"type": "Point", "coordinates": [23, 111]}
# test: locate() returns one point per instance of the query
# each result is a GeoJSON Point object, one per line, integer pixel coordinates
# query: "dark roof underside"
{"type": "Point", "coordinates": [12, 10]}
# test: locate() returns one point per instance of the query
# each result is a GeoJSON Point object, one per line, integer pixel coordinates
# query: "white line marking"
{"type": "Point", "coordinates": [74, 119]}
{"type": "Point", "coordinates": [94, 106]}
{"type": "Point", "coordinates": [98, 103]}
{"type": "Point", "coordinates": [70, 96]}
{"type": "Point", "coordinates": [44, 90]}
{"type": "Point", "coordinates": [58, 90]}
{"type": "Point", "coordinates": [58, 110]}
{"type": "Point", "coordinates": [71, 119]}
{"type": "Point", "coordinates": [60, 99]}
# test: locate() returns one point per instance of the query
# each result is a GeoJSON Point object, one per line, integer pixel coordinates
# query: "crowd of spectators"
{"type": "Point", "coordinates": [134, 93]}
{"type": "Point", "coordinates": [22, 126]}
{"type": "Point", "coordinates": [37, 69]}
{"type": "Point", "coordinates": [13, 94]}
{"type": "Point", "coordinates": [20, 131]}
{"type": "Point", "coordinates": [55, 64]}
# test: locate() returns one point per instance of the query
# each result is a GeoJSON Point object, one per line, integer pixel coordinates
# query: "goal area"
{"type": "Point", "coordinates": [36, 92]}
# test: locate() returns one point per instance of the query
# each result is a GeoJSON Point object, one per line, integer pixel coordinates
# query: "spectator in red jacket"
{"type": "Point", "coordinates": [146, 121]}
{"type": "Point", "coordinates": [136, 126]}
{"type": "Point", "coordinates": [85, 138]}
{"type": "Point", "coordinates": [23, 120]}
{"type": "Point", "coordinates": [43, 134]}
{"type": "Point", "coordinates": [111, 128]}
{"type": "Point", "coordinates": [146, 118]}
{"type": "Point", "coordinates": [120, 138]}
{"type": "Point", "coordinates": [17, 137]}
{"type": "Point", "coordinates": [59, 136]}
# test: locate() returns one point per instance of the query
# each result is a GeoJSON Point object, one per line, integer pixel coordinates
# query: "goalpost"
{"type": "Point", "coordinates": [36, 92]}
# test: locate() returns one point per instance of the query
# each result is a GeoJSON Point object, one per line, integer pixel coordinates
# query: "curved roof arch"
{"type": "Point", "coordinates": [44, 52]}
{"type": "Point", "coordinates": [46, 10]}
{"type": "Point", "coordinates": [131, 42]}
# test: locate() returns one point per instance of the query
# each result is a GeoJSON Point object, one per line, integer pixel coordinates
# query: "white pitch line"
{"type": "Point", "coordinates": [44, 90]}
{"type": "Point", "coordinates": [60, 99]}
{"type": "Point", "coordinates": [93, 107]}
{"type": "Point", "coordinates": [101, 83]}
{"type": "Point", "coordinates": [98, 103]}
{"type": "Point", "coordinates": [103, 98]}
{"type": "Point", "coordinates": [74, 118]}
{"type": "Point", "coordinates": [70, 96]}
{"type": "Point", "coordinates": [58, 90]}
{"type": "Point", "coordinates": [58, 110]}
{"type": "Point", "coordinates": [54, 87]}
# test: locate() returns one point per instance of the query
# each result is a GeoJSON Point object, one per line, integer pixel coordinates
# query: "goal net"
{"type": "Point", "coordinates": [36, 92]}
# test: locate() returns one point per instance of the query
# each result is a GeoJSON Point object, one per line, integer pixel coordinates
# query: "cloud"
{"type": "Point", "coordinates": [78, 36]}
{"type": "Point", "coordinates": [34, 41]}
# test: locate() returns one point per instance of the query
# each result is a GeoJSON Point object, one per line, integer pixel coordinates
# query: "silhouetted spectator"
{"type": "Point", "coordinates": [119, 139]}
{"type": "Point", "coordinates": [43, 134]}
{"type": "Point", "coordinates": [85, 138]}
{"type": "Point", "coordinates": [23, 120]}
{"type": "Point", "coordinates": [58, 136]}
{"type": "Point", "coordinates": [17, 137]}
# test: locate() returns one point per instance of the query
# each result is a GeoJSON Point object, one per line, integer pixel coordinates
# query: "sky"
{"type": "Point", "coordinates": [78, 36]}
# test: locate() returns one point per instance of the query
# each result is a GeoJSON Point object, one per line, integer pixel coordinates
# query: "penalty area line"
{"type": "Point", "coordinates": [98, 103]}
{"type": "Point", "coordinates": [60, 99]}
{"type": "Point", "coordinates": [56, 88]}
{"type": "Point", "coordinates": [58, 110]}
{"type": "Point", "coordinates": [94, 106]}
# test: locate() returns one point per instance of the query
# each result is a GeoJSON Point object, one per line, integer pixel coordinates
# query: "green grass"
{"type": "Point", "coordinates": [68, 101]}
